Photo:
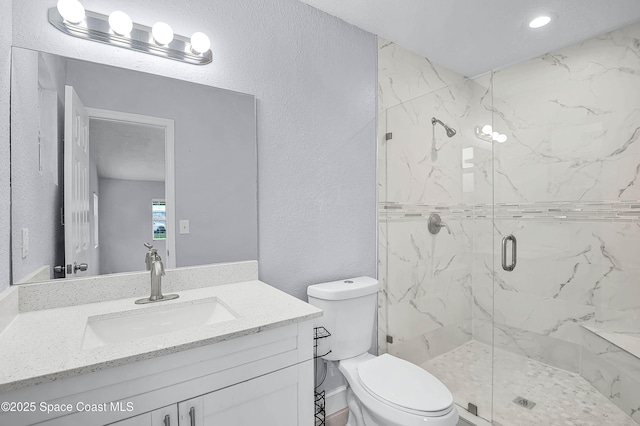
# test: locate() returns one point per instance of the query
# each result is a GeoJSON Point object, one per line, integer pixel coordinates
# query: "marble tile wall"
{"type": "Point", "coordinates": [428, 296]}
{"type": "Point", "coordinates": [402, 76]}
{"type": "Point", "coordinates": [566, 185]}
{"type": "Point", "coordinates": [613, 371]}
{"type": "Point", "coordinates": [573, 124]}
{"type": "Point", "coordinates": [428, 301]}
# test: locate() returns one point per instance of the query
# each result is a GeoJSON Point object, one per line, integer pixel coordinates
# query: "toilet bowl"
{"type": "Point", "coordinates": [388, 391]}
{"type": "Point", "coordinates": [382, 390]}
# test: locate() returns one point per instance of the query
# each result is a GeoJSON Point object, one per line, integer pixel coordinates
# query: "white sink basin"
{"type": "Point", "coordinates": [125, 326]}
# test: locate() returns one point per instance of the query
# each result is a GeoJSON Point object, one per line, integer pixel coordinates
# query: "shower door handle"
{"type": "Point", "coordinates": [514, 253]}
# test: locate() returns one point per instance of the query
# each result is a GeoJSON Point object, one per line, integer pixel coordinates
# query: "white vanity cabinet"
{"type": "Point", "coordinates": [166, 416]}
{"type": "Point", "coordinates": [272, 399]}
{"type": "Point", "coordinates": [262, 378]}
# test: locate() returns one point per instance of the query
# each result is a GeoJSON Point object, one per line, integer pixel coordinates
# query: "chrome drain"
{"type": "Point", "coordinates": [523, 402]}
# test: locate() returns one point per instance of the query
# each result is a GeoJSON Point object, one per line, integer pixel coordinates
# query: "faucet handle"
{"type": "Point", "coordinates": [148, 259]}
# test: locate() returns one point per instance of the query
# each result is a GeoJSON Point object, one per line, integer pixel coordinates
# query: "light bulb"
{"type": "Point", "coordinates": [487, 129]}
{"type": "Point", "coordinates": [71, 10]}
{"type": "Point", "coordinates": [200, 42]}
{"type": "Point", "coordinates": [495, 135]}
{"type": "Point", "coordinates": [540, 21]}
{"type": "Point", "coordinates": [162, 33]}
{"type": "Point", "coordinates": [501, 138]}
{"type": "Point", "coordinates": [120, 23]}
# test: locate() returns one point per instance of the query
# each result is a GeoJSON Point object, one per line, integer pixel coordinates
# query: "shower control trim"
{"type": "Point", "coordinates": [436, 223]}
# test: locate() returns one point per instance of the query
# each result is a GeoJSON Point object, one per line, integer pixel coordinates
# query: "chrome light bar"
{"type": "Point", "coordinates": [95, 27]}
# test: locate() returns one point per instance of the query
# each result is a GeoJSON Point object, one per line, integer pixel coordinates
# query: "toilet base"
{"type": "Point", "coordinates": [355, 409]}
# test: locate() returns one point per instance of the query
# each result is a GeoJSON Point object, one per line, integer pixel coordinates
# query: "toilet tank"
{"type": "Point", "coordinates": [349, 310]}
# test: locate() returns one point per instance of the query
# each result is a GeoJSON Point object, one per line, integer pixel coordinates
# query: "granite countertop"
{"type": "Point", "coordinates": [45, 345]}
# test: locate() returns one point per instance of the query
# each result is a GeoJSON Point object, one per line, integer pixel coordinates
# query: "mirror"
{"type": "Point", "coordinates": [104, 159]}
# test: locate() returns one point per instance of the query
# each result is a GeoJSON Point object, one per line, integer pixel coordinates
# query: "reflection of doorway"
{"type": "Point", "coordinates": [133, 167]}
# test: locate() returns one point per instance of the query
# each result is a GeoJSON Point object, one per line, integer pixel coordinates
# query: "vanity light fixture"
{"type": "Point", "coordinates": [120, 23]}
{"type": "Point", "coordinates": [200, 43]}
{"type": "Point", "coordinates": [486, 133]}
{"type": "Point", "coordinates": [71, 11]}
{"type": "Point", "coordinates": [117, 29]}
{"type": "Point", "coordinates": [162, 33]}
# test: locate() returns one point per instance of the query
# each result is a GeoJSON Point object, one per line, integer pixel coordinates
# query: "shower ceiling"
{"type": "Point", "coordinates": [474, 36]}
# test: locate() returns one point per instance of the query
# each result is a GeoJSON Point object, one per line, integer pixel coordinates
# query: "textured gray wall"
{"type": "Point", "coordinates": [37, 196]}
{"type": "Point", "coordinates": [5, 190]}
{"type": "Point", "coordinates": [122, 231]}
{"type": "Point", "coordinates": [315, 80]}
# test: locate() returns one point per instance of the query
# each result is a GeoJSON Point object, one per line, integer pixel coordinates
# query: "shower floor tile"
{"type": "Point", "coordinates": [562, 398]}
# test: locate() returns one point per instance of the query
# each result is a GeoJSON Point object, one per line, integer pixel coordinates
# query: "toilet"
{"type": "Point", "coordinates": [382, 390]}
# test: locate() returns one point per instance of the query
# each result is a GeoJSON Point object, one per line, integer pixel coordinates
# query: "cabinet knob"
{"type": "Point", "coordinates": [167, 420]}
{"type": "Point", "coordinates": [192, 416]}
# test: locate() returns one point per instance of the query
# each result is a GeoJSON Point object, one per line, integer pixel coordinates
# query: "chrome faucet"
{"type": "Point", "coordinates": [436, 223]}
{"type": "Point", "coordinates": [155, 265]}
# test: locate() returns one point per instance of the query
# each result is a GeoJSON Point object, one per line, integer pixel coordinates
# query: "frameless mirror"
{"type": "Point", "coordinates": [105, 159]}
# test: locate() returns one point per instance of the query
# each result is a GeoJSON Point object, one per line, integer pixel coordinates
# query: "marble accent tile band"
{"type": "Point", "coordinates": [605, 211]}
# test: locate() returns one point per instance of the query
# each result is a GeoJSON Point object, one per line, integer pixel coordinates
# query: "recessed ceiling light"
{"type": "Point", "coordinates": [540, 21]}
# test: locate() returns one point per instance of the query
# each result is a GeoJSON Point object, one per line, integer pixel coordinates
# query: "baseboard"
{"type": "Point", "coordinates": [335, 400]}
{"type": "Point", "coordinates": [338, 419]}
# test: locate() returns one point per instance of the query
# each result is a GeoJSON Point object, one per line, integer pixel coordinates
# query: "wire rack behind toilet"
{"type": "Point", "coordinates": [320, 414]}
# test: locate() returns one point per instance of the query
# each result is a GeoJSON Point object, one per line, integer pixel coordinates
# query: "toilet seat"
{"type": "Point", "coordinates": [405, 386]}
{"type": "Point", "coordinates": [384, 412]}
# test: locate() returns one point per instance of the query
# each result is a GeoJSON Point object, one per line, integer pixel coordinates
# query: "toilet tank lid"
{"type": "Point", "coordinates": [344, 289]}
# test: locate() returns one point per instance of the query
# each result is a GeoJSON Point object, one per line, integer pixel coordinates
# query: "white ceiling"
{"type": "Point", "coordinates": [475, 36]}
{"type": "Point", "coordinates": [127, 151]}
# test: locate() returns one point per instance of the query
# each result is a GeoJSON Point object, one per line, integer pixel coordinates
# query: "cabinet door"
{"type": "Point", "coordinates": [272, 399]}
{"type": "Point", "coordinates": [141, 420]}
{"type": "Point", "coordinates": [166, 416]}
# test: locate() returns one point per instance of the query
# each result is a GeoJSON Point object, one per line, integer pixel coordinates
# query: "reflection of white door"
{"type": "Point", "coordinates": [76, 185]}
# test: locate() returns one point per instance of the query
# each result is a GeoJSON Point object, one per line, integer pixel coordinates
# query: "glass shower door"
{"type": "Point", "coordinates": [436, 238]}
{"type": "Point", "coordinates": [565, 189]}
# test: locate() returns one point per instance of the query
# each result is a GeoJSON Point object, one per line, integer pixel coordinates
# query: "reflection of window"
{"type": "Point", "coordinates": [159, 217]}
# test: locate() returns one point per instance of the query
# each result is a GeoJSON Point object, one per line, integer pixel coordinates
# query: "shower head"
{"type": "Point", "coordinates": [451, 132]}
